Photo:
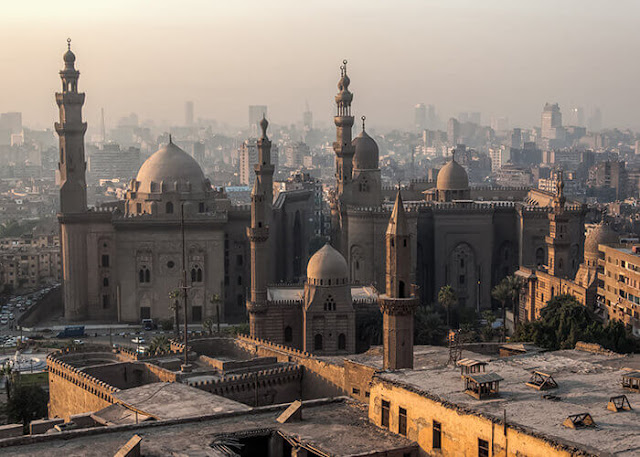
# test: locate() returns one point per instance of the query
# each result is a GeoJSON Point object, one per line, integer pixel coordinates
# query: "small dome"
{"type": "Point", "coordinates": [327, 263]}
{"type": "Point", "coordinates": [601, 234]}
{"type": "Point", "coordinates": [366, 155]}
{"type": "Point", "coordinates": [170, 164]}
{"type": "Point", "coordinates": [452, 177]}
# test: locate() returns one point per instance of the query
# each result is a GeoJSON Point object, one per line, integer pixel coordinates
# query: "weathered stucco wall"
{"type": "Point", "coordinates": [461, 429]}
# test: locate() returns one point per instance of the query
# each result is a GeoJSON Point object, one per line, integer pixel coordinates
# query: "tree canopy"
{"type": "Point", "coordinates": [564, 321]}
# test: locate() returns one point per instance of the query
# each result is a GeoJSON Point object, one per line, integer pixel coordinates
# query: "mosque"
{"type": "Point", "coordinates": [121, 263]}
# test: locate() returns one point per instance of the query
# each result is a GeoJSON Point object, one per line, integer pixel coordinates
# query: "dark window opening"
{"type": "Point", "coordinates": [402, 421]}
{"type": "Point", "coordinates": [437, 435]}
{"type": "Point", "coordinates": [239, 260]}
{"type": "Point", "coordinates": [384, 420]}
{"type": "Point", "coordinates": [105, 282]}
{"type": "Point", "coordinates": [342, 342]}
{"type": "Point", "coordinates": [288, 334]}
{"type": "Point", "coordinates": [401, 291]}
{"type": "Point", "coordinates": [201, 207]}
{"type": "Point", "coordinates": [145, 312]}
{"type": "Point", "coordinates": [105, 301]}
{"type": "Point", "coordinates": [105, 260]}
{"type": "Point", "coordinates": [317, 342]}
{"type": "Point", "coordinates": [196, 313]}
{"type": "Point", "coordinates": [483, 448]}
{"type": "Point", "coordinates": [239, 280]}
{"type": "Point", "coordinates": [169, 208]}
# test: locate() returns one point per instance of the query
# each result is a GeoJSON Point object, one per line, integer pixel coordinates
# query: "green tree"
{"type": "Point", "coordinates": [447, 299]}
{"type": "Point", "coordinates": [428, 326]}
{"type": "Point", "coordinates": [564, 321]}
{"type": "Point", "coordinates": [507, 292]}
{"type": "Point", "coordinates": [207, 324]}
{"type": "Point", "coordinates": [27, 403]}
{"type": "Point", "coordinates": [159, 343]}
{"type": "Point", "coordinates": [215, 300]}
{"type": "Point", "coordinates": [174, 305]}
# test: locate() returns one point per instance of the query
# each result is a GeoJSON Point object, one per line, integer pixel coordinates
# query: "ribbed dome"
{"type": "Point", "coordinates": [601, 234]}
{"type": "Point", "coordinates": [452, 177]}
{"type": "Point", "coordinates": [327, 264]}
{"type": "Point", "coordinates": [367, 152]}
{"type": "Point", "coordinates": [170, 165]}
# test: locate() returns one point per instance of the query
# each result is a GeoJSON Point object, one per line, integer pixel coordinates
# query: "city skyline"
{"type": "Point", "coordinates": [498, 59]}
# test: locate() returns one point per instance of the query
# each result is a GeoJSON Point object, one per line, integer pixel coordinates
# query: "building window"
{"type": "Point", "coordinates": [288, 334]}
{"type": "Point", "coordinates": [201, 207]}
{"type": "Point", "coordinates": [169, 208]}
{"type": "Point", "coordinates": [196, 313]}
{"type": "Point", "coordinates": [330, 304]}
{"type": "Point", "coordinates": [239, 260]}
{"type": "Point", "coordinates": [144, 274]}
{"type": "Point", "coordinates": [105, 301]}
{"type": "Point", "coordinates": [384, 420]}
{"type": "Point", "coordinates": [342, 342]}
{"type": "Point", "coordinates": [317, 342]}
{"type": "Point", "coordinates": [145, 312]}
{"type": "Point", "coordinates": [483, 448]}
{"type": "Point", "coordinates": [402, 421]}
{"type": "Point", "coordinates": [105, 282]}
{"type": "Point", "coordinates": [437, 435]}
{"type": "Point", "coordinates": [196, 274]}
{"type": "Point", "coordinates": [239, 280]}
{"type": "Point", "coordinates": [105, 260]}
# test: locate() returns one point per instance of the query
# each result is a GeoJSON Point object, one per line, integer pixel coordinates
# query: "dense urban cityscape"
{"type": "Point", "coordinates": [452, 283]}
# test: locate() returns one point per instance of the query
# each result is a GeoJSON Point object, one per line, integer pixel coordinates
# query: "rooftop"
{"type": "Point", "coordinates": [586, 382]}
{"type": "Point", "coordinates": [336, 427]}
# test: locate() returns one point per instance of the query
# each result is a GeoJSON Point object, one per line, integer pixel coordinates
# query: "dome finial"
{"type": "Point", "coordinates": [263, 125]}
{"type": "Point", "coordinates": [68, 44]}
{"type": "Point", "coordinates": [364, 118]}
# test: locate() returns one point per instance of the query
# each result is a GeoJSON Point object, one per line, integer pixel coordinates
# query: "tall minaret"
{"type": "Point", "coordinates": [71, 129]}
{"type": "Point", "coordinates": [399, 302]}
{"type": "Point", "coordinates": [342, 146]}
{"type": "Point", "coordinates": [258, 234]}
{"type": "Point", "coordinates": [558, 240]}
{"type": "Point", "coordinates": [344, 150]}
{"type": "Point", "coordinates": [73, 191]}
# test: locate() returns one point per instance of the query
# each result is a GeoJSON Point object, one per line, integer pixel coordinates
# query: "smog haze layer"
{"type": "Point", "coordinates": [501, 58]}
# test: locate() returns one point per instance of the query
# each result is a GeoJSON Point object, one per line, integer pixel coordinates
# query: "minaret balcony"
{"type": "Point", "coordinates": [258, 233]}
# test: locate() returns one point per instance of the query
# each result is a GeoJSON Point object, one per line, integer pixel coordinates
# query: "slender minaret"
{"type": "Point", "coordinates": [558, 240]}
{"type": "Point", "coordinates": [344, 122]}
{"type": "Point", "coordinates": [73, 190]}
{"type": "Point", "coordinates": [258, 234]}
{"type": "Point", "coordinates": [344, 150]}
{"type": "Point", "coordinates": [71, 129]}
{"type": "Point", "coordinates": [399, 302]}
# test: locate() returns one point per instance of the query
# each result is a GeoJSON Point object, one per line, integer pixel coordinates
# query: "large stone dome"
{"type": "Point", "coordinates": [366, 155]}
{"type": "Point", "coordinates": [601, 234]}
{"type": "Point", "coordinates": [327, 265]}
{"type": "Point", "coordinates": [171, 169]}
{"type": "Point", "coordinates": [452, 177]}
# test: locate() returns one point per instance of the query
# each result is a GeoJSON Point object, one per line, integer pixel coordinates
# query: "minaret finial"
{"type": "Point", "coordinates": [364, 118]}
{"type": "Point", "coordinates": [263, 125]}
{"type": "Point", "coordinates": [69, 44]}
{"type": "Point", "coordinates": [344, 66]}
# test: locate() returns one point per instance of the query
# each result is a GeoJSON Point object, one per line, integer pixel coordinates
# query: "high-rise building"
{"type": "Point", "coordinates": [295, 153]}
{"type": "Point", "coordinates": [307, 118]}
{"type": "Point", "coordinates": [256, 113]}
{"type": "Point", "coordinates": [420, 116]}
{"type": "Point", "coordinates": [188, 113]}
{"type": "Point", "coordinates": [453, 131]}
{"type": "Point", "coordinates": [595, 121]}
{"type": "Point", "coordinates": [551, 120]}
{"type": "Point", "coordinates": [248, 155]}
{"type": "Point", "coordinates": [10, 125]}
{"type": "Point", "coordinates": [577, 117]}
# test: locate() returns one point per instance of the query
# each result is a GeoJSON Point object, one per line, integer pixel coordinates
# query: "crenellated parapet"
{"type": "Point", "coordinates": [58, 367]}
{"type": "Point", "coordinates": [228, 385]}
{"type": "Point", "coordinates": [275, 346]}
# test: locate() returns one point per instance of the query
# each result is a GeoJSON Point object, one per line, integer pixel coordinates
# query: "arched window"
{"type": "Point", "coordinates": [364, 185]}
{"type": "Point", "coordinates": [401, 291]}
{"type": "Point", "coordinates": [105, 282]}
{"type": "Point", "coordinates": [288, 334]}
{"type": "Point", "coordinates": [317, 342]}
{"type": "Point", "coordinates": [141, 275]}
{"type": "Point", "coordinates": [193, 275]}
{"type": "Point", "coordinates": [330, 304]}
{"type": "Point", "coordinates": [199, 275]}
{"type": "Point", "coordinates": [169, 208]}
{"type": "Point", "coordinates": [147, 275]}
{"type": "Point", "coordinates": [342, 342]}
{"type": "Point", "coordinates": [144, 275]}
{"type": "Point", "coordinates": [539, 256]}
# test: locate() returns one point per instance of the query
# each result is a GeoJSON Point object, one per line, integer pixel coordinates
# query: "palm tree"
{"type": "Point", "coordinates": [174, 306]}
{"type": "Point", "coordinates": [447, 299]}
{"type": "Point", "coordinates": [429, 328]}
{"type": "Point", "coordinates": [207, 324]}
{"type": "Point", "coordinates": [159, 344]}
{"type": "Point", "coordinates": [508, 291]}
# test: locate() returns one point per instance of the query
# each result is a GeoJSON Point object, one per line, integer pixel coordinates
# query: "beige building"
{"type": "Point", "coordinates": [619, 291]}
{"type": "Point", "coordinates": [29, 263]}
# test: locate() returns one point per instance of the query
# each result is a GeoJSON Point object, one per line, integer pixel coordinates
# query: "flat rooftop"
{"type": "Point", "coordinates": [337, 428]}
{"type": "Point", "coordinates": [173, 400]}
{"type": "Point", "coordinates": [296, 293]}
{"type": "Point", "coordinates": [585, 383]}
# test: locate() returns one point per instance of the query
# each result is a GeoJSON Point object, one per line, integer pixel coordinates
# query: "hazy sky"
{"type": "Point", "coordinates": [499, 57]}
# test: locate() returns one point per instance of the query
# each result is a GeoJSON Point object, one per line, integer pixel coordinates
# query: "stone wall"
{"type": "Point", "coordinates": [72, 391]}
{"type": "Point", "coordinates": [461, 428]}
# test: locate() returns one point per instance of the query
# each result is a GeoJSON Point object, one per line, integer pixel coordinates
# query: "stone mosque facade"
{"type": "Point", "coordinates": [121, 263]}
